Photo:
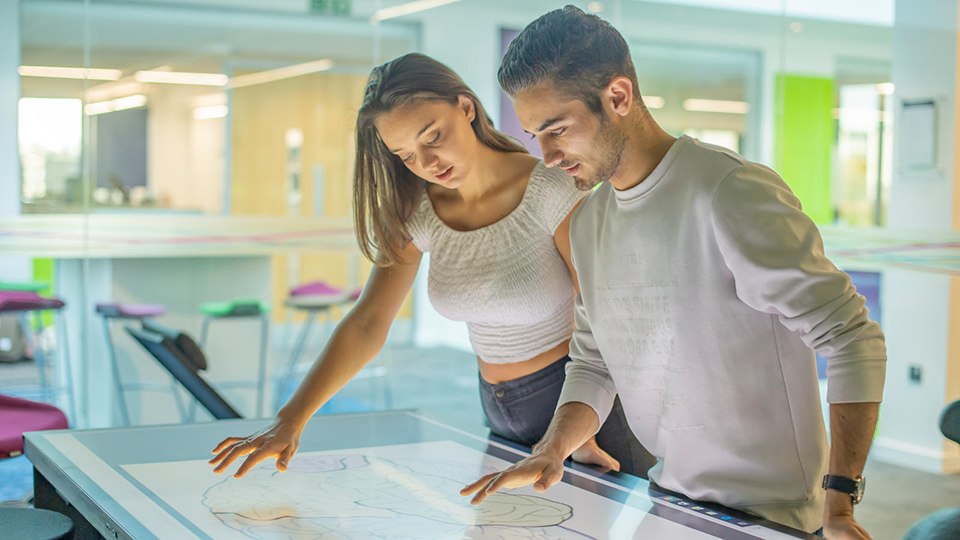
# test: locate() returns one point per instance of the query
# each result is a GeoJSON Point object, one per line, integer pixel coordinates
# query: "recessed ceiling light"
{"type": "Point", "coordinates": [175, 77]}
{"type": "Point", "coordinates": [70, 73]}
{"type": "Point", "coordinates": [716, 106]}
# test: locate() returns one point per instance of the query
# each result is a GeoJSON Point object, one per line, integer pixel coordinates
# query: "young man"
{"type": "Point", "coordinates": [704, 288]}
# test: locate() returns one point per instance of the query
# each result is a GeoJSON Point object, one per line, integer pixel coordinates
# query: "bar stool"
{"type": "Point", "coordinates": [24, 286]}
{"type": "Point", "coordinates": [22, 415]}
{"type": "Point", "coordinates": [318, 298]}
{"type": "Point", "coordinates": [133, 312]}
{"type": "Point", "coordinates": [24, 303]}
{"type": "Point", "coordinates": [34, 524]}
{"type": "Point", "coordinates": [315, 298]}
{"type": "Point", "coordinates": [239, 308]}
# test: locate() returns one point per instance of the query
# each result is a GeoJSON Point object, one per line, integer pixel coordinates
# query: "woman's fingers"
{"type": "Point", "coordinates": [284, 460]}
{"type": "Point", "coordinates": [237, 450]}
{"type": "Point", "coordinates": [252, 460]}
{"type": "Point", "coordinates": [591, 454]}
{"type": "Point", "coordinates": [223, 453]}
{"type": "Point", "coordinates": [225, 443]}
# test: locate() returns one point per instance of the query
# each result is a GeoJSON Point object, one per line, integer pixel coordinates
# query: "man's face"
{"type": "Point", "coordinates": [586, 145]}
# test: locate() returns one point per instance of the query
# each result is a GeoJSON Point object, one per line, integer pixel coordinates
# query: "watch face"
{"type": "Point", "coordinates": [861, 487]}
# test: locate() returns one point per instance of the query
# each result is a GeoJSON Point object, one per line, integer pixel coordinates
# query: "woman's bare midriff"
{"type": "Point", "coordinates": [500, 373]}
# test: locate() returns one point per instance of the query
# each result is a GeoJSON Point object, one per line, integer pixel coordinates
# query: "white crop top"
{"type": "Point", "coordinates": [506, 280]}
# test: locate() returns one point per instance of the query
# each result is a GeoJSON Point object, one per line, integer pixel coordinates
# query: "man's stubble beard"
{"type": "Point", "coordinates": [609, 149]}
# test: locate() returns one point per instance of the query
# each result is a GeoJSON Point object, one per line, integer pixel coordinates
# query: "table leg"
{"type": "Point", "coordinates": [45, 497]}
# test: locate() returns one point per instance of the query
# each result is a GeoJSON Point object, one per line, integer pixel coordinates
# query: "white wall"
{"type": "Point", "coordinates": [473, 50]}
{"type": "Point", "coordinates": [11, 268]}
{"type": "Point", "coordinates": [859, 11]}
{"type": "Point", "coordinates": [916, 309]}
{"type": "Point", "coordinates": [9, 96]}
{"type": "Point", "coordinates": [184, 155]}
{"type": "Point", "coordinates": [925, 66]}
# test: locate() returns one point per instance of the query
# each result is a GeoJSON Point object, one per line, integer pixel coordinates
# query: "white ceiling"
{"type": "Point", "coordinates": [211, 35]}
{"type": "Point", "coordinates": [138, 35]}
{"type": "Point", "coordinates": [874, 12]}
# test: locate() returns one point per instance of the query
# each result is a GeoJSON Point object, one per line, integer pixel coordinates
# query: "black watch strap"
{"type": "Point", "coordinates": [850, 486]}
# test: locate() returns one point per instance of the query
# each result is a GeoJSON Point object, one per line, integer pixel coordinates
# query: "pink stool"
{"type": "Point", "coordinates": [315, 298]}
{"type": "Point", "coordinates": [25, 302]}
{"type": "Point", "coordinates": [21, 415]}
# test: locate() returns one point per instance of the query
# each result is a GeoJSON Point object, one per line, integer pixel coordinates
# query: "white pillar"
{"type": "Point", "coordinates": [9, 95]}
{"type": "Point", "coordinates": [11, 268]}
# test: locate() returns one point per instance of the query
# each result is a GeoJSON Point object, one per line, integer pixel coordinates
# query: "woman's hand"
{"type": "Point", "coordinates": [280, 440]}
{"type": "Point", "coordinates": [591, 454]}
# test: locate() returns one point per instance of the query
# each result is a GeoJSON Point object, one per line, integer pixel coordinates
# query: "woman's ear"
{"type": "Point", "coordinates": [468, 107]}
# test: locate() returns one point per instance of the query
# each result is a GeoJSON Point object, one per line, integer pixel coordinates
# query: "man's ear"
{"type": "Point", "coordinates": [618, 96]}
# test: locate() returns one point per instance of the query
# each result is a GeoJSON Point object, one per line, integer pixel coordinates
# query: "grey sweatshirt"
{"type": "Point", "coordinates": [703, 290]}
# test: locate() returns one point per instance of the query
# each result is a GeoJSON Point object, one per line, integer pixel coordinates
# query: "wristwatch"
{"type": "Point", "coordinates": [853, 487]}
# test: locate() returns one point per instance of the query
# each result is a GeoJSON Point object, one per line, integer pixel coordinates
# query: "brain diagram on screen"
{"type": "Point", "coordinates": [371, 498]}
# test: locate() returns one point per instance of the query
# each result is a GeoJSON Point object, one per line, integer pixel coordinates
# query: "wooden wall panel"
{"type": "Point", "coordinates": [324, 107]}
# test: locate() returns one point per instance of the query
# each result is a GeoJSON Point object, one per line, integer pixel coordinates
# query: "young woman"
{"type": "Point", "coordinates": [433, 174]}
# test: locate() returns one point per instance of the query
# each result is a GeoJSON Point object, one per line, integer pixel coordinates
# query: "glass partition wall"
{"type": "Point", "coordinates": [181, 154]}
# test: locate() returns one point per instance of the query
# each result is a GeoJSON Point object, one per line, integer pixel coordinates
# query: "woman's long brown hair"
{"type": "Point", "coordinates": [385, 192]}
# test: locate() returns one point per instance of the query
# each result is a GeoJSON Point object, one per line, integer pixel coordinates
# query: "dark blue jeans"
{"type": "Point", "coordinates": [520, 411]}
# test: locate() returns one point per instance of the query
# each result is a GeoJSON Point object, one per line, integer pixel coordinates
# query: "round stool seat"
{"type": "Point", "coordinates": [942, 525]}
{"type": "Point", "coordinates": [34, 524]}
{"type": "Point", "coordinates": [316, 295]}
{"type": "Point", "coordinates": [950, 422]}
{"type": "Point", "coordinates": [234, 308]}
{"type": "Point", "coordinates": [315, 288]}
{"type": "Point", "coordinates": [26, 301]}
{"type": "Point", "coordinates": [130, 311]}
{"type": "Point", "coordinates": [24, 286]}
{"type": "Point", "coordinates": [20, 415]}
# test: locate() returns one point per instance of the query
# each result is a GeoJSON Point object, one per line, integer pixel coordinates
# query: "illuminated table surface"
{"type": "Point", "coordinates": [386, 475]}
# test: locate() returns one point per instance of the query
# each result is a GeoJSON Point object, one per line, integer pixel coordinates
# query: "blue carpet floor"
{"type": "Point", "coordinates": [17, 478]}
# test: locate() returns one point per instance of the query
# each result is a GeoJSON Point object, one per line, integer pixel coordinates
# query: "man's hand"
{"type": "Point", "coordinates": [838, 522]}
{"type": "Point", "coordinates": [541, 469]}
{"type": "Point", "coordinates": [573, 425]}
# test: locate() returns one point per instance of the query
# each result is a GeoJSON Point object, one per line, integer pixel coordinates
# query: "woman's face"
{"type": "Point", "coordinates": [433, 139]}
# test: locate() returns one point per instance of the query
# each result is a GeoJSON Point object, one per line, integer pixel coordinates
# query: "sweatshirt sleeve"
{"type": "Point", "coordinates": [588, 380]}
{"type": "Point", "coordinates": [776, 255]}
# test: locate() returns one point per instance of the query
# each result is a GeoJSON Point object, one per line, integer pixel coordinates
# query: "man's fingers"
{"type": "Point", "coordinates": [477, 485]}
{"type": "Point", "coordinates": [225, 443]}
{"type": "Point", "coordinates": [550, 476]}
{"type": "Point", "coordinates": [485, 489]}
{"type": "Point", "coordinates": [510, 478]}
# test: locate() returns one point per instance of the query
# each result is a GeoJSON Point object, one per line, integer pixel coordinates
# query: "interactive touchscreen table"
{"type": "Point", "coordinates": [377, 476]}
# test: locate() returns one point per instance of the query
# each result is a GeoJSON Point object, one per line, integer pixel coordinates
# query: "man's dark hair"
{"type": "Point", "coordinates": [579, 53]}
